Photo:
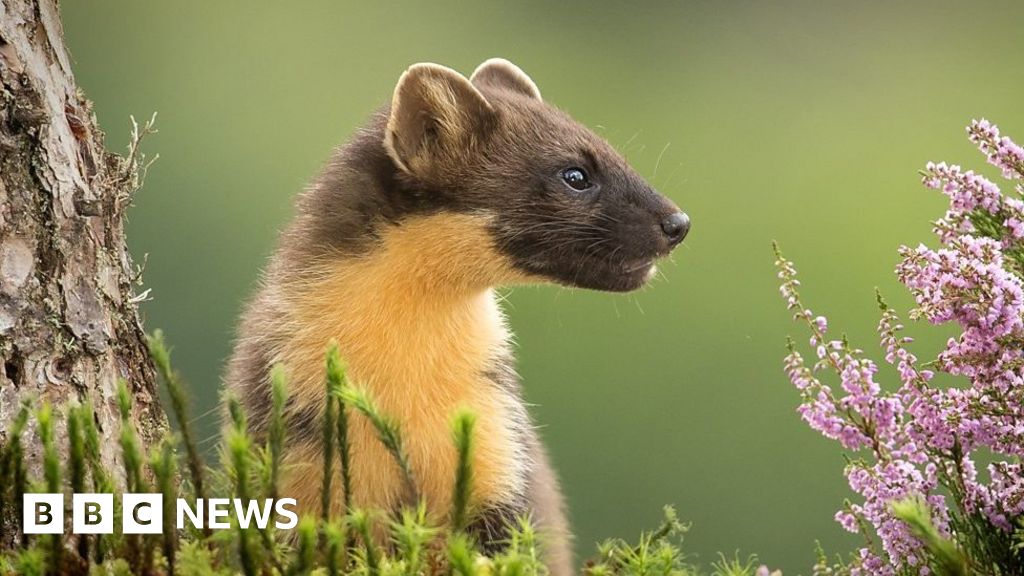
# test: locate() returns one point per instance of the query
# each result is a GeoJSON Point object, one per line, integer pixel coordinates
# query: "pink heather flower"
{"type": "Point", "coordinates": [916, 437]}
{"type": "Point", "coordinates": [868, 564]}
{"type": "Point", "coordinates": [1002, 153]}
{"type": "Point", "coordinates": [1015, 219]}
{"type": "Point", "coordinates": [972, 195]}
{"type": "Point", "coordinates": [847, 520]}
{"type": "Point", "coordinates": [822, 323]}
{"type": "Point", "coordinates": [966, 190]}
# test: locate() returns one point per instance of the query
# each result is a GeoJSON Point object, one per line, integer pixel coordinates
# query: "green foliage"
{"type": "Point", "coordinates": [131, 449]}
{"type": "Point", "coordinates": [32, 561]}
{"type": "Point", "coordinates": [336, 381]}
{"type": "Point", "coordinates": [946, 558]}
{"type": "Point", "coordinates": [657, 552]}
{"type": "Point", "coordinates": [51, 474]}
{"type": "Point", "coordinates": [462, 432]}
{"type": "Point", "coordinates": [732, 566]}
{"type": "Point", "coordinates": [116, 567]}
{"type": "Point", "coordinates": [275, 435]}
{"type": "Point", "coordinates": [76, 454]}
{"type": "Point", "coordinates": [462, 556]}
{"type": "Point", "coordinates": [12, 469]}
{"type": "Point", "coordinates": [240, 449]}
{"type": "Point", "coordinates": [328, 450]}
{"type": "Point", "coordinates": [334, 533]}
{"type": "Point", "coordinates": [388, 432]}
{"type": "Point", "coordinates": [305, 557]}
{"type": "Point", "coordinates": [164, 466]}
{"type": "Point", "coordinates": [51, 459]}
{"type": "Point", "coordinates": [412, 535]}
{"type": "Point", "coordinates": [360, 542]}
{"type": "Point", "coordinates": [196, 559]}
{"type": "Point", "coordinates": [179, 406]}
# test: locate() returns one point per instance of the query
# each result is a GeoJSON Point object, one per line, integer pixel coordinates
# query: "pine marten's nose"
{"type": "Point", "coordinates": [675, 226]}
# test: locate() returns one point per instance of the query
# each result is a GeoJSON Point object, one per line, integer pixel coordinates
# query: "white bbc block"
{"type": "Point", "coordinates": [142, 513]}
{"type": "Point", "coordinates": [43, 513]}
{"type": "Point", "coordinates": [92, 514]}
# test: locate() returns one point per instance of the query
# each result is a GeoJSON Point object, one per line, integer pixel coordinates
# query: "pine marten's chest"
{"type": "Point", "coordinates": [422, 353]}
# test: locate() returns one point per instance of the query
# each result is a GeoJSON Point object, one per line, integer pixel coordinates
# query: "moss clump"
{"type": "Point", "coordinates": [359, 542]}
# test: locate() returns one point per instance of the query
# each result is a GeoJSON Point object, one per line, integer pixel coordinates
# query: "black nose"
{"type": "Point", "coordinates": [675, 227]}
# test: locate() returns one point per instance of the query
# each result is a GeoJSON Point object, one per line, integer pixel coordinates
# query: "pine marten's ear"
{"type": "Point", "coordinates": [435, 114]}
{"type": "Point", "coordinates": [500, 73]}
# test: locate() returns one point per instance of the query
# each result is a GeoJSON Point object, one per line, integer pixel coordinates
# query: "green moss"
{"type": "Point", "coordinates": [462, 434]}
{"type": "Point", "coordinates": [337, 380]}
{"type": "Point", "coordinates": [359, 542]}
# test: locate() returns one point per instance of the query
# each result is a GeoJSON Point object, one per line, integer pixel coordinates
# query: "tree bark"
{"type": "Point", "coordinates": [69, 326]}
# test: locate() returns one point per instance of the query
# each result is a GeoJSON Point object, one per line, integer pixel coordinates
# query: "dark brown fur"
{"type": "Point", "coordinates": [491, 151]}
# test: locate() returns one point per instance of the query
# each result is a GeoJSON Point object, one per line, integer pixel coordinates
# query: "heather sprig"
{"type": "Point", "coordinates": [1000, 151]}
{"type": "Point", "coordinates": [921, 493]}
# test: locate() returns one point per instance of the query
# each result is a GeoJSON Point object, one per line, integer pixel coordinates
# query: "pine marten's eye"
{"type": "Point", "coordinates": [576, 178]}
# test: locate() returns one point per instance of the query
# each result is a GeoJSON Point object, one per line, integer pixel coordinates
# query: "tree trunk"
{"type": "Point", "coordinates": [69, 327]}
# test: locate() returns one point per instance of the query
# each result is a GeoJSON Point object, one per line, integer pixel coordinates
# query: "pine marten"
{"type": "Point", "coordinates": [455, 188]}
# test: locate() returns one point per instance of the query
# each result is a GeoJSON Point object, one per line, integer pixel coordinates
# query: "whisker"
{"type": "Point", "coordinates": [207, 414]}
{"type": "Point", "coordinates": [658, 162]}
{"type": "Point", "coordinates": [638, 306]}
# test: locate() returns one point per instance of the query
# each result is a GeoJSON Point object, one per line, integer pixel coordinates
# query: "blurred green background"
{"type": "Point", "coordinates": [803, 122]}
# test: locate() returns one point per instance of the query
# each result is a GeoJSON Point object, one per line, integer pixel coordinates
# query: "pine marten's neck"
{"type": "Point", "coordinates": [425, 289]}
{"type": "Point", "coordinates": [419, 326]}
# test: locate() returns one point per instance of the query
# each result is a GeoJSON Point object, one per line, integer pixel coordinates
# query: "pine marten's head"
{"type": "Point", "coordinates": [561, 203]}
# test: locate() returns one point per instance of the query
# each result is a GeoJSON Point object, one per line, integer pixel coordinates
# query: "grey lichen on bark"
{"type": "Point", "coordinates": [69, 325]}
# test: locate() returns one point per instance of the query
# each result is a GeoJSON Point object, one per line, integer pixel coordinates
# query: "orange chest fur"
{"type": "Point", "coordinates": [422, 353]}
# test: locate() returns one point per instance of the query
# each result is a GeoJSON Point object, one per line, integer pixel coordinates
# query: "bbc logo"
{"type": "Point", "coordinates": [43, 513]}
